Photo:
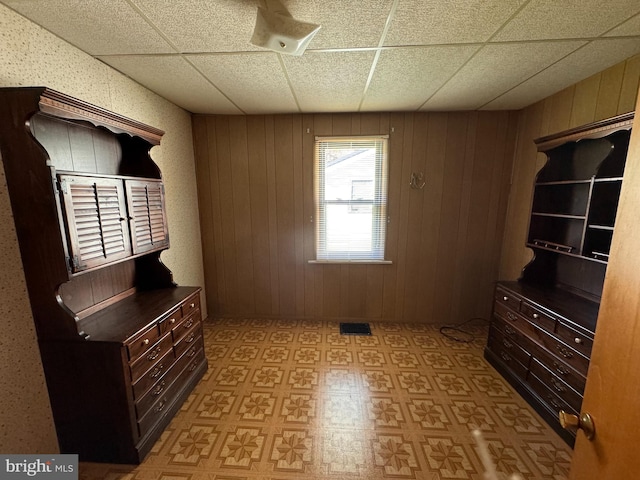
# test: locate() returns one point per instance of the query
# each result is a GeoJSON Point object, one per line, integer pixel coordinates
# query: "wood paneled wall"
{"type": "Point", "coordinates": [255, 189]}
{"type": "Point", "coordinates": [606, 94]}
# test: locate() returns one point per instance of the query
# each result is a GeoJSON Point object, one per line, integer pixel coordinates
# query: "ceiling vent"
{"type": "Point", "coordinates": [277, 30]}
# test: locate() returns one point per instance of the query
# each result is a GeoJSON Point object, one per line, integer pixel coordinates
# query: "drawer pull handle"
{"type": "Point", "coordinates": [189, 323]}
{"type": "Point", "coordinates": [161, 405]}
{"type": "Point", "coordinates": [192, 352]}
{"type": "Point", "coordinates": [563, 351]}
{"type": "Point", "coordinates": [158, 390]}
{"type": "Point", "coordinates": [157, 371]}
{"type": "Point", "coordinates": [172, 321]}
{"type": "Point", "coordinates": [508, 330]}
{"type": "Point", "coordinates": [553, 401]}
{"type": "Point", "coordinates": [512, 316]}
{"type": "Point", "coordinates": [557, 387]}
{"type": "Point", "coordinates": [505, 356]}
{"type": "Point", "coordinates": [535, 316]}
{"type": "Point", "coordinates": [154, 354]}
{"type": "Point", "coordinates": [193, 366]}
{"type": "Point", "coordinates": [507, 343]}
{"type": "Point", "coordinates": [145, 341]}
{"type": "Point", "coordinates": [506, 299]}
{"type": "Point", "coordinates": [560, 369]}
{"type": "Point", "coordinates": [191, 338]}
{"type": "Point", "coordinates": [192, 305]}
{"type": "Point", "coordinates": [578, 340]}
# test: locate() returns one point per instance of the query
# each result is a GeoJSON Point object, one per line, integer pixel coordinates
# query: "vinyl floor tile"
{"type": "Point", "coordinates": [295, 400]}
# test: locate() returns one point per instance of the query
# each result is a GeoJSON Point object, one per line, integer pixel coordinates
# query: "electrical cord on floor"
{"type": "Point", "coordinates": [452, 331]}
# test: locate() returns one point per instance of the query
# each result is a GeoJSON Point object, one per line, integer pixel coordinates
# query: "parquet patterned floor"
{"type": "Point", "coordinates": [287, 400]}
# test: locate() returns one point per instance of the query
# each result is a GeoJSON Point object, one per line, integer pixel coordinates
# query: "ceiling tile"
{"type": "Point", "coordinates": [628, 28]}
{"type": "Point", "coordinates": [344, 24]}
{"type": "Point", "coordinates": [406, 77]}
{"type": "Point", "coordinates": [246, 77]}
{"type": "Point", "coordinates": [420, 22]}
{"type": "Point", "coordinates": [329, 82]}
{"type": "Point", "coordinates": [95, 26]}
{"type": "Point", "coordinates": [589, 60]}
{"type": "Point", "coordinates": [203, 25]}
{"type": "Point", "coordinates": [550, 19]}
{"type": "Point", "coordinates": [171, 77]}
{"type": "Point", "coordinates": [495, 69]}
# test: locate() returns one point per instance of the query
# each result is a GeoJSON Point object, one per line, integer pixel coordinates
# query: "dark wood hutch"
{"type": "Point", "coordinates": [121, 343]}
{"type": "Point", "coordinates": [543, 325]}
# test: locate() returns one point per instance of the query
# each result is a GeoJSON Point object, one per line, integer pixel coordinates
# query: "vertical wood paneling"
{"type": "Point", "coordinates": [403, 213]}
{"type": "Point", "coordinates": [585, 99]}
{"type": "Point", "coordinates": [274, 285]}
{"type": "Point", "coordinates": [231, 299]}
{"type": "Point", "coordinates": [310, 285]}
{"type": "Point", "coordinates": [298, 194]}
{"type": "Point", "coordinates": [609, 92]}
{"type": "Point", "coordinates": [390, 272]}
{"type": "Point", "coordinates": [561, 109]}
{"type": "Point", "coordinates": [630, 83]}
{"type": "Point", "coordinates": [241, 198]}
{"type": "Point", "coordinates": [465, 256]}
{"type": "Point", "coordinates": [432, 199]}
{"type": "Point", "coordinates": [285, 212]}
{"type": "Point", "coordinates": [257, 206]}
{"type": "Point", "coordinates": [412, 266]}
{"type": "Point", "coordinates": [259, 214]}
{"type": "Point", "coordinates": [205, 191]}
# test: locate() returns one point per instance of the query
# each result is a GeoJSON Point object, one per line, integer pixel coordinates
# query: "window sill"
{"type": "Point", "coordinates": [353, 262]}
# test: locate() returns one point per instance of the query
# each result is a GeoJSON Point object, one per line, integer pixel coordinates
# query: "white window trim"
{"type": "Point", "coordinates": [380, 200]}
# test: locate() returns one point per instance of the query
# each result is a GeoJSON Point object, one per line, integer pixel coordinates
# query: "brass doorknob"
{"type": "Point", "coordinates": [584, 422]}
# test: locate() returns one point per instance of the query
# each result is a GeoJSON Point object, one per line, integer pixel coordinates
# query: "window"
{"type": "Point", "coordinates": [351, 198]}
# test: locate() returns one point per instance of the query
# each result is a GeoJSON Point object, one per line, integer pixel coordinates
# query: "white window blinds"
{"type": "Point", "coordinates": [351, 197]}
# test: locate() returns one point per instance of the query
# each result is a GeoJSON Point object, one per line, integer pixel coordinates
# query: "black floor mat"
{"type": "Point", "coordinates": [355, 329]}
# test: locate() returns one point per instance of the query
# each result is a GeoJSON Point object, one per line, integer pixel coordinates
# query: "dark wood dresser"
{"type": "Point", "coordinates": [121, 343]}
{"type": "Point", "coordinates": [543, 325]}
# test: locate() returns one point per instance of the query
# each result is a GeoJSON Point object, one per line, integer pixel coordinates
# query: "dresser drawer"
{"type": "Point", "coordinates": [554, 383]}
{"type": "Point", "coordinates": [553, 401]}
{"type": "Point", "coordinates": [512, 318]}
{"type": "Point", "coordinates": [538, 317]}
{"type": "Point", "coordinates": [514, 332]}
{"type": "Point", "coordinates": [190, 304]}
{"type": "Point", "coordinates": [577, 340]}
{"type": "Point", "coordinates": [147, 361]}
{"type": "Point", "coordinates": [194, 337]}
{"type": "Point", "coordinates": [161, 367]}
{"type": "Point", "coordinates": [505, 297]}
{"type": "Point", "coordinates": [169, 321]}
{"type": "Point", "coordinates": [155, 412]}
{"type": "Point", "coordinates": [142, 342]}
{"type": "Point", "coordinates": [506, 347]}
{"type": "Point", "coordinates": [563, 370]}
{"type": "Point", "coordinates": [563, 351]}
{"type": "Point", "coordinates": [161, 387]}
{"type": "Point", "coordinates": [185, 326]}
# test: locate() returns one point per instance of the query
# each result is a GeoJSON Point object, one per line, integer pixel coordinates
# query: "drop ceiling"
{"type": "Point", "coordinates": [369, 55]}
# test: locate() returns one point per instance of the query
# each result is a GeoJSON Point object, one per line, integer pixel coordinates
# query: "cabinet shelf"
{"type": "Point", "coordinates": [599, 257]}
{"type": "Point", "coordinates": [563, 182]}
{"type": "Point", "coordinates": [559, 215]}
{"type": "Point", "coordinates": [607, 179]}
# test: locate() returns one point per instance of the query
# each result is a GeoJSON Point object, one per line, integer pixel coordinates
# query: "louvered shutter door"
{"type": "Point", "coordinates": [145, 200]}
{"type": "Point", "coordinates": [96, 218]}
